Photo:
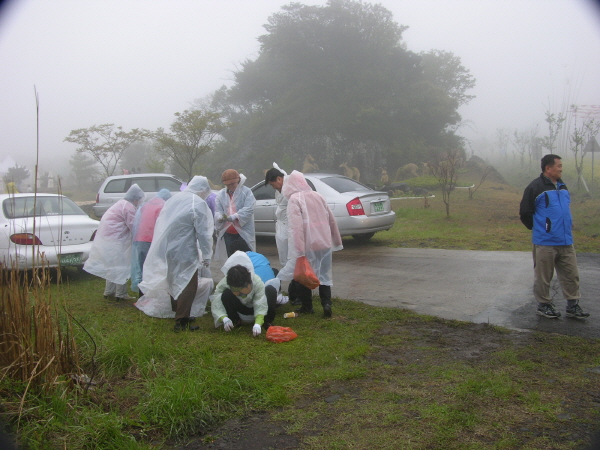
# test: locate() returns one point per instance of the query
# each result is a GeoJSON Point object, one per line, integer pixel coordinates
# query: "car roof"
{"type": "Point", "coordinates": [29, 194]}
{"type": "Point", "coordinates": [324, 175]}
{"type": "Point", "coordinates": [141, 175]}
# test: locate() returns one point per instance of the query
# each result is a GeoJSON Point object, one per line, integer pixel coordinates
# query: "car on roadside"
{"type": "Point", "coordinates": [114, 188]}
{"type": "Point", "coordinates": [359, 211]}
{"type": "Point", "coordinates": [43, 230]}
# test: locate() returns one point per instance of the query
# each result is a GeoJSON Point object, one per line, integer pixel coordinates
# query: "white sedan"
{"type": "Point", "coordinates": [359, 211]}
{"type": "Point", "coordinates": [46, 230]}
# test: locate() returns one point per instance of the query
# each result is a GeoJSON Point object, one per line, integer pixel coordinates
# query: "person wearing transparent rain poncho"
{"type": "Point", "coordinates": [181, 247]}
{"type": "Point", "coordinates": [312, 232]}
{"type": "Point", "coordinates": [234, 214]}
{"type": "Point", "coordinates": [143, 231]}
{"type": "Point", "coordinates": [110, 256]}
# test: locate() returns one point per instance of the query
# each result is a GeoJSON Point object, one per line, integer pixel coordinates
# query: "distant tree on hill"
{"type": "Point", "coordinates": [16, 175]}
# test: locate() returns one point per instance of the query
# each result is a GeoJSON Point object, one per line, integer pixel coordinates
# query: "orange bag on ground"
{"type": "Point", "coordinates": [280, 334]}
{"type": "Point", "coordinates": [304, 274]}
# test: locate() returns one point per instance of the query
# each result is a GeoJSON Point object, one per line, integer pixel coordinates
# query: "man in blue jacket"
{"type": "Point", "coordinates": [545, 209]}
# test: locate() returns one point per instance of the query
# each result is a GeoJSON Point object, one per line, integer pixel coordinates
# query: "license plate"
{"type": "Point", "coordinates": [378, 206]}
{"type": "Point", "coordinates": [71, 259]}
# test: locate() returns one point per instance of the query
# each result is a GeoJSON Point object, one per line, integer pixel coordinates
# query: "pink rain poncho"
{"type": "Point", "coordinates": [182, 240]}
{"type": "Point", "coordinates": [241, 206]}
{"type": "Point", "coordinates": [110, 256]}
{"type": "Point", "coordinates": [312, 230]}
{"type": "Point", "coordinates": [143, 231]}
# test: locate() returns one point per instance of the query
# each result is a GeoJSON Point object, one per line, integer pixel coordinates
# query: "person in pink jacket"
{"type": "Point", "coordinates": [312, 232]}
{"type": "Point", "coordinates": [143, 231]}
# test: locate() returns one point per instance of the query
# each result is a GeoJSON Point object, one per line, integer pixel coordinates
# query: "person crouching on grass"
{"type": "Point", "coordinates": [240, 297]}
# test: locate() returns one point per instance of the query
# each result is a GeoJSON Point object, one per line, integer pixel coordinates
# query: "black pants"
{"type": "Point", "coordinates": [235, 307]}
{"type": "Point", "coordinates": [230, 238]}
{"type": "Point", "coordinates": [305, 294]}
{"type": "Point", "coordinates": [183, 305]}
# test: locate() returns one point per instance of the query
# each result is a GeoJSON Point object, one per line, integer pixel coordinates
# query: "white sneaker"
{"type": "Point", "coordinates": [126, 297]}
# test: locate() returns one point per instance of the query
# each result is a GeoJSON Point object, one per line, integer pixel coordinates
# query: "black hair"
{"type": "Point", "coordinates": [272, 175]}
{"type": "Point", "coordinates": [238, 276]}
{"type": "Point", "coordinates": [549, 160]}
{"type": "Point", "coordinates": [240, 245]}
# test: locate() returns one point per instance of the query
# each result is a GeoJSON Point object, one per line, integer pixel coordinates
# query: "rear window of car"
{"type": "Point", "coordinates": [116, 186]}
{"type": "Point", "coordinates": [264, 192]}
{"type": "Point", "coordinates": [341, 184]}
{"type": "Point", "coordinates": [18, 207]}
{"type": "Point", "coordinates": [168, 183]}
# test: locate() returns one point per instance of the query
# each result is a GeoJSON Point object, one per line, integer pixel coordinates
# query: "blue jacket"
{"type": "Point", "coordinates": [262, 266]}
{"type": "Point", "coordinates": [546, 210]}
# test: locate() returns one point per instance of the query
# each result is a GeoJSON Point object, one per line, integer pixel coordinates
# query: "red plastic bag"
{"type": "Point", "coordinates": [280, 334]}
{"type": "Point", "coordinates": [304, 274]}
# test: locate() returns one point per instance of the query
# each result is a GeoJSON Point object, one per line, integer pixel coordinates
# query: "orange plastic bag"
{"type": "Point", "coordinates": [304, 274]}
{"type": "Point", "coordinates": [280, 334]}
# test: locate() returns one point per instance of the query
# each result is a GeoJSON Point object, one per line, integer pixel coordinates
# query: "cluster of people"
{"type": "Point", "coordinates": [165, 246]}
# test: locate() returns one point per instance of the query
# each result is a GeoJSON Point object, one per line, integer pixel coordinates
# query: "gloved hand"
{"type": "Point", "coordinates": [256, 329]}
{"type": "Point", "coordinates": [227, 324]}
{"type": "Point", "coordinates": [206, 262]}
{"type": "Point", "coordinates": [230, 218]}
{"type": "Point", "coordinates": [221, 218]}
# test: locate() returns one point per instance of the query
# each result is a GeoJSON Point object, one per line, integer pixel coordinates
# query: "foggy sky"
{"type": "Point", "coordinates": [135, 63]}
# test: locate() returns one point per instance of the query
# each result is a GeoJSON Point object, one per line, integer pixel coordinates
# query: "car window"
{"type": "Point", "coordinates": [310, 183]}
{"type": "Point", "coordinates": [341, 184]}
{"type": "Point", "coordinates": [264, 192]}
{"type": "Point", "coordinates": [145, 184]}
{"type": "Point", "coordinates": [168, 183]}
{"type": "Point", "coordinates": [17, 207]}
{"type": "Point", "coordinates": [116, 186]}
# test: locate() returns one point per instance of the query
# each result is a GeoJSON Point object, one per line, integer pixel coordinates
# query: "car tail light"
{"type": "Point", "coordinates": [93, 235]}
{"type": "Point", "coordinates": [98, 198]}
{"type": "Point", "coordinates": [25, 239]}
{"type": "Point", "coordinates": [355, 207]}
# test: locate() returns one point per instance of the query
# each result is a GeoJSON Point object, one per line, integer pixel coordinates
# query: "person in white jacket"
{"type": "Point", "coordinates": [110, 256]}
{"type": "Point", "coordinates": [312, 232]}
{"type": "Point", "coordinates": [181, 246]}
{"type": "Point", "coordinates": [234, 214]}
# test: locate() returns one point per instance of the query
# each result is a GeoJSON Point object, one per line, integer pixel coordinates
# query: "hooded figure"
{"type": "Point", "coordinates": [234, 214]}
{"type": "Point", "coordinates": [143, 230]}
{"type": "Point", "coordinates": [182, 243]}
{"type": "Point", "coordinates": [312, 232]}
{"type": "Point", "coordinates": [110, 256]}
{"type": "Point", "coordinates": [243, 300]}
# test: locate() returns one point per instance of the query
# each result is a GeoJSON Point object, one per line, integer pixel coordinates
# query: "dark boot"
{"type": "Point", "coordinates": [325, 294]}
{"type": "Point", "coordinates": [180, 325]}
{"type": "Point", "coordinates": [293, 293]}
{"type": "Point", "coordinates": [305, 294]}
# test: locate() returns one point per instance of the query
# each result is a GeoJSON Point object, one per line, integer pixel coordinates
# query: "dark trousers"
{"type": "Point", "coordinates": [183, 305]}
{"type": "Point", "coordinates": [235, 307]}
{"type": "Point", "coordinates": [230, 238]}
{"type": "Point", "coordinates": [293, 290]}
{"type": "Point", "coordinates": [305, 294]}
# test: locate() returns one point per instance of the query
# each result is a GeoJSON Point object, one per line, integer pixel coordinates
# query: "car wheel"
{"type": "Point", "coordinates": [363, 236]}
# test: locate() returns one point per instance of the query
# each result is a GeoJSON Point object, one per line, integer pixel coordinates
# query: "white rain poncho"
{"type": "Point", "coordinates": [182, 239]}
{"type": "Point", "coordinates": [110, 256]}
{"type": "Point", "coordinates": [143, 231]}
{"type": "Point", "coordinates": [241, 206]}
{"type": "Point", "coordinates": [255, 299]}
{"type": "Point", "coordinates": [158, 303]}
{"type": "Point", "coordinates": [312, 230]}
{"type": "Point", "coordinates": [281, 222]}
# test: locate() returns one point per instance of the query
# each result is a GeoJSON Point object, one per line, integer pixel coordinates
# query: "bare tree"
{"type": "Point", "coordinates": [105, 143]}
{"type": "Point", "coordinates": [484, 175]}
{"type": "Point", "coordinates": [445, 169]}
{"type": "Point", "coordinates": [522, 141]}
{"type": "Point", "coordinates": [555, 123]}
{"type": "Point", "coordinates": [502, 140]}
{"type": "Point", "coordinates": [579, 138]}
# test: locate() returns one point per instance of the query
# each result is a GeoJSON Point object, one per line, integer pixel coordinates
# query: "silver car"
{"type": "Point", "coordinates": [359, 210]}
{"type": "Point", "coordinates": [114, 188]}
{"type": "Point", "coordinates": [47, 229]}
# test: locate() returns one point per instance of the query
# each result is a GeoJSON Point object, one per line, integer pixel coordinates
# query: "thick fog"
{"type": "Point", "coordinates": [135, 63]}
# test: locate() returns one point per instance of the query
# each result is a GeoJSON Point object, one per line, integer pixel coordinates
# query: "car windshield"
{"type": "Point", "coordinates": [342, 184]}
{"type": "Point", "coordinates": [17, 207]}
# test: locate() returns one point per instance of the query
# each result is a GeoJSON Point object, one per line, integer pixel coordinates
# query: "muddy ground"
{"type": "Point", "coordinates": [471, 343]}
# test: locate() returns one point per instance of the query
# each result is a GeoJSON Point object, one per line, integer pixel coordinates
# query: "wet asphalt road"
{"type": "Point", "coordinates": [475, 286]}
